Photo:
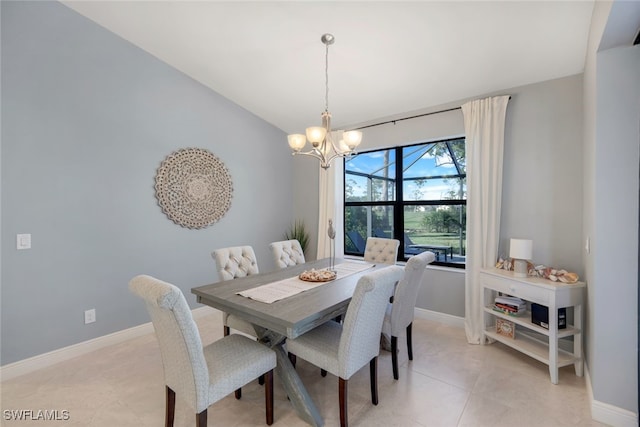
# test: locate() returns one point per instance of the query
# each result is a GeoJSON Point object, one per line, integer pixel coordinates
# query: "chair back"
{"type": "Point", "coordinates": [287, 253]}
{"type": "Point", "coordinates": [381, 250]}
{"type": "Point", "coordinates": [185, 368]}
{"type": "Point", "coordinates": [236, 261]}
{"type": "Point", "coordinates": [360, 339]}
{"type": "Point", "coordinates": [406, 293]}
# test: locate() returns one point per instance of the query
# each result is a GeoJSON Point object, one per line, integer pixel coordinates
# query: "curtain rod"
{"type": "Point", "coordinates": [411, 117]}
{"type": "Point", "coordinates": [407, 118]}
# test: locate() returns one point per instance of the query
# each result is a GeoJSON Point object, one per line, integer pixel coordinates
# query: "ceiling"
{"type": "Point", "coordinates": [389, 58]}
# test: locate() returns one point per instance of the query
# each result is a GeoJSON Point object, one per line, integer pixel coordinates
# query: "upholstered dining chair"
{"type": "Point", "coordinates": [399, 314]}
{"type": "Point", "coordinates": [381, 250]}
{"type": "Point", "coordinates": [343, 349]}
{"type": "Point", "coordinates": [233, 262]}
{"type": "Point", "coordinates": [287, 253]}
{"type": "Point", "coordinates": [200, 375]}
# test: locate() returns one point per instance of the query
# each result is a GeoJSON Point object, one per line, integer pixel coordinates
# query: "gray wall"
{"type": "Point", "coordinates": [611, 170]}
{"type": "Point", "coordinates": [614, 242]}
{"type": "Point", "coordinates": [542, 177]}
{"type": "Point", "coordinates": [87, 119]}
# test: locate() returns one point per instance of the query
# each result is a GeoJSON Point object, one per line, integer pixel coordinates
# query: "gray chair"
{"type": "Point", "coordinates": [381, 250]}
{"type": "Point", "coordinates": [287, 253]}
{"type": "Point", "coordinates": [233, 262]}
{"type": "Point", "coordinates": [343, 349]}
{"type": "Point", "coordinates": [200, 375]}
{"type": "Point", "coordinates": [400, 312]}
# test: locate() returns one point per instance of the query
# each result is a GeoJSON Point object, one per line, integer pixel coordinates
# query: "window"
{"type": "Point", "coordinates": [416, 194]}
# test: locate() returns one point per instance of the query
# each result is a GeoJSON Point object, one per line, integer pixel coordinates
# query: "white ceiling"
{"type": "Point", "coordinates": [389, 57]}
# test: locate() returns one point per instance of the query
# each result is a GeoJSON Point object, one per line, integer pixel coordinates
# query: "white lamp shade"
{"type": "Point", "coordinates": [296, 141]}
{"type": "Point", "coordinates": [316, 134]}
{"type": "Point", "coordinates": [352, 138]}
{"type": "Point", "coordinates": [343, 147]}
{"type": "Point", "coordinates": [521, 249]}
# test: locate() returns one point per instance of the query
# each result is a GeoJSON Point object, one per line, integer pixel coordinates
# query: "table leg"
{"type": "Point", "coordinates": [291, 381]}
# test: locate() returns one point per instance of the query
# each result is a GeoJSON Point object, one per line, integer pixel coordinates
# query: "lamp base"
{"type": "Point", "coordinates": [520, 268]}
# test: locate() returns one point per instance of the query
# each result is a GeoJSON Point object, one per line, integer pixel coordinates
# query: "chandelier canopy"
{"type": "Point", "coordinates": [322, 139]}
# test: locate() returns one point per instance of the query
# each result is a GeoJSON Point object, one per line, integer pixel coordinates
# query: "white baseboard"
{"type": "Point", "coordinates": [44, 360]}
{"type": "Point", "coordinates": [446, 319]}
{"type": "Point", "coordinates": [606, 413]}
{"type": "Point", "coordinates": [600, 411]}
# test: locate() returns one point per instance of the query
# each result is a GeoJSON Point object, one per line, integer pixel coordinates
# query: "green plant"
{"type": "Point", "coordinates": [299, 232]}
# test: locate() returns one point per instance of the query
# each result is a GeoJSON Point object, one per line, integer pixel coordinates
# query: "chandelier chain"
{"type": "Point", "coordinates": [326, 78]}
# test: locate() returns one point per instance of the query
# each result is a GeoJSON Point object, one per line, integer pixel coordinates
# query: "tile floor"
{"type": "Point", "coordinates": [449, 383]}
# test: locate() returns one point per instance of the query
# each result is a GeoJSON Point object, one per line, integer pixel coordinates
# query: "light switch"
{"type": "Point", "coordinates": [23, 241]}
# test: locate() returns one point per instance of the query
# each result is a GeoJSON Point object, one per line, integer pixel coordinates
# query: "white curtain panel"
{"type": "Point", "coordinates": [484, 121]}
{"type": "Point", "coordinates": [330, 206]}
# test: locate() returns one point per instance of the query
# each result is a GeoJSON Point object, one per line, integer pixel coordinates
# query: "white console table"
{"type": "Point", "coordinates": [554, 295]}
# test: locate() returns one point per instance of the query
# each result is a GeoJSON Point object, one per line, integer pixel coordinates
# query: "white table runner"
{"type": "Point", "coordinates": [281, 289]}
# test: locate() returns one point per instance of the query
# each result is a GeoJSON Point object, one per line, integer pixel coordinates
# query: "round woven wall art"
{"type": "Point", "coordinates": [193, 188]}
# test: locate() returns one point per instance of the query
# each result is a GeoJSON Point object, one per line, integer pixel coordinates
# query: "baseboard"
{"type": "Point", "coordinates": [446, 319]}
{"type": "Point", "coordinates": [606, 413]}
{"type": "Point", "coordinates": [600, 411]}
{"type": "Point", "coordinates": [44, 360]}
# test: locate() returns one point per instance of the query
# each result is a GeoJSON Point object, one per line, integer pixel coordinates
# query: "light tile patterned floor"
{"type": "Point", "coordinates": [449, 383]}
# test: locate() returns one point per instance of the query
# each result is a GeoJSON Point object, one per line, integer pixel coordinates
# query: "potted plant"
{"type": "Point", "coordinates": [298, 231]}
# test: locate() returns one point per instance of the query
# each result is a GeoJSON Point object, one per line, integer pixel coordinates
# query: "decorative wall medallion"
{"type": "Point", "coordinates": [193, 188]}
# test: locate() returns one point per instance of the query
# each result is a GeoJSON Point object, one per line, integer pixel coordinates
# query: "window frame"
{"type": "Point", "coordinates": [398, 205]}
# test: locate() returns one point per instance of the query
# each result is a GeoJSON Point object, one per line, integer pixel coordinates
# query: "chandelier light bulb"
{"type": "Point", "coordinates": [352, 138]}
{"type": "Point", "coordinates": [316, 134]}
{"type": "Point", "coordinates": [297, 141]}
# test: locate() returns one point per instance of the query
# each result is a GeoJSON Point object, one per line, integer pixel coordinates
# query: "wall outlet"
{"type": "Point", "coordinates": [23, 241]}
{"type": "Point", "coordinates": [89, 316]}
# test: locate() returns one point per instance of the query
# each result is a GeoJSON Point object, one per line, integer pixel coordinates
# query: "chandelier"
{"type": "Point", "coordinates": [322, 139]}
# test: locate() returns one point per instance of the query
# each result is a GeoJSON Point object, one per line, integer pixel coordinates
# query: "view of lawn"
{"type": "Point", "coordinates": [415, 229]}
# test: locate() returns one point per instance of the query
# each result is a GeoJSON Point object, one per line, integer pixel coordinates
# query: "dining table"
{"type": "Point", "coordinates": [288, 316]}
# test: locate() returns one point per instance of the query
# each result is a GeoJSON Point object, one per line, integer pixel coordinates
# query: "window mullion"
{"type": "Point", "coordinates": [398, 207]}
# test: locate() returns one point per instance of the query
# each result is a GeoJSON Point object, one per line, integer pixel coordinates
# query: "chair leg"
{"type": "Point", "coordinates": [201, 419]}
{"type": "Point", "coordinates": [171, 407]}
{"type": "Point", "coordinates": [394, 356]}
{"type": "Point", "coordinates": [268, 396]}
{"type": "Point", "coordinates": [342, 393]}
{"type": "Point", "coordinates": [373, 373]}
{"type": "Point", "coordinates": [225, 330]}
{"type": "Point", "coordinates": [409, 342]}
{"type": "Point", "coordinates": [238, 393]}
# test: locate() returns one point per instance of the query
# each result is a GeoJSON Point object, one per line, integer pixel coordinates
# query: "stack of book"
{"type": "Point", "coordinates": [510, 305]}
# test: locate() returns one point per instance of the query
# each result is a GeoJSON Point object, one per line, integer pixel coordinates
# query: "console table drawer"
{"type": "Point", "coordinates": [511, 287]}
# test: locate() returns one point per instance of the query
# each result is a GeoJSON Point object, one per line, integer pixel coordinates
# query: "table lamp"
{"type": "Point", "coordinates": [521, 251]}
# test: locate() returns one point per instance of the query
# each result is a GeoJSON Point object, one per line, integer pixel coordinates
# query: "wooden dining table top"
{"type": "Point", "coordinates": [291, 316]}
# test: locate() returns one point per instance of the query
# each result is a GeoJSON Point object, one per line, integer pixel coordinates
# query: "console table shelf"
{"type": "Point", "coordinates": [550, 294]}
{"type": "Point", "coordinates": [525, 320]}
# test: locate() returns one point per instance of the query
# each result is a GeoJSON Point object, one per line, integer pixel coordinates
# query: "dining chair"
{"type": "Point", "coordinates": [343, 349]}
{"type": "Point", "coordinates": [381, 250]}
{"type": "Point", "coordinates": [400, 312]}
{"type": "Point", "coordinates": [233, 262]}
{"type": "Point", "coordinates": [287, 253]}
{"type": "Point", "coordinates": [200, 375]}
